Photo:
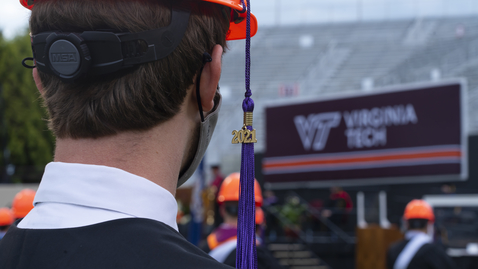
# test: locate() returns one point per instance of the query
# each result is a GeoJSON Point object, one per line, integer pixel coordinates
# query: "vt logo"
{"type": "Point", "coordinates": [314, 130]}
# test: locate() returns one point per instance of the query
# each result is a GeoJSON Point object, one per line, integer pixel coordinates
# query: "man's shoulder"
{"type": "Point", "coordinates": [396, 248]}
{"type": "Point", "coordinates": [124, 243]}
{"type": "Point", "coordinates": [431, 249]}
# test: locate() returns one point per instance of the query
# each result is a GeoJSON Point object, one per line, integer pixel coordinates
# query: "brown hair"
{"type": "Point", "coordinates": [136, 100]}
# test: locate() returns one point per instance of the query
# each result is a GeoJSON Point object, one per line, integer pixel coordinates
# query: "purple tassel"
{"type": "Point", "coordinates": [246, 256]}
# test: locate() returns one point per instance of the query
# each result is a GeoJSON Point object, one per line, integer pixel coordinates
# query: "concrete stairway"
{"type": "Point", "coordinates": [296, 256]}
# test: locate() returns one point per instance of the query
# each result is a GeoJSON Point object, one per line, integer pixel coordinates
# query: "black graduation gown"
{"type": "Point", "coordinates": [120, 244]}
{"type": "Point", "coordinates": [429, 256]}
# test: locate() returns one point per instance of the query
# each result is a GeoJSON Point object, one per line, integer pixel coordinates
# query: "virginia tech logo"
{"type": "Point", "coordinates": [314, 130]}
{"type": "Point", "coordinates": [365, 128]}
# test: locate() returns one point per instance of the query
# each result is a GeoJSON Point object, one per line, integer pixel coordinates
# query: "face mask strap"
{"type": "Point", "coordinates": [206, 58]}
{"type": "Point", "coordinates": [27, 65]}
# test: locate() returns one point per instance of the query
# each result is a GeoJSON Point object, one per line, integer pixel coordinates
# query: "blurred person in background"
{"type": "Point", "coordinates": [183, 219]}
{"type": "Point", "coordinates": [6, 219]}
{"type": "Point", "coordinates": [417, 250]}
{"type": "Point", "coordinates": [273, 225]}
{"type": "Point", "coordinates": [218, 178]}
{"type": "Point", "coordinates": [294, 212]}
{"type": "Point", "coordinates": [338, 207]}
{"type": "Point", "coordinates": [22, 203]}
{"type": "Point", "coordinates": [270, 199]}
{"type": "Point", "coordinates": [448, 188]}
{"type": "Point", "coordinates": [222, 242]}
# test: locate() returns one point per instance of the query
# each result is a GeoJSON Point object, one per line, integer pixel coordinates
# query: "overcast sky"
{"type": "Point", "coordinates": [14, 18]}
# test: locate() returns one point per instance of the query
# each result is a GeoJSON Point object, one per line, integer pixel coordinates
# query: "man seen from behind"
{"type": "Point", "coordinates": [131, 89]}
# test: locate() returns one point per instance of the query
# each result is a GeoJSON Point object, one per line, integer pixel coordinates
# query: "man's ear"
{"type": "Point", "coordinates": [37, 80]}
{"type": "Point", "coordinates": [210, 79]}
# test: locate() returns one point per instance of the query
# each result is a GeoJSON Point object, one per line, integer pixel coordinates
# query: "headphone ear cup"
{"type": "Point", "coordinates": [67, 56]}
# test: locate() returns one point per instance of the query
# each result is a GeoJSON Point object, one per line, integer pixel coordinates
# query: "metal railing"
{"type": "Point", "coordinates": [316, 214]}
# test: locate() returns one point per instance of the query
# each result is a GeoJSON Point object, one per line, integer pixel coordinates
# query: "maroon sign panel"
{"type": "Point", "coordinates": [413, 133]}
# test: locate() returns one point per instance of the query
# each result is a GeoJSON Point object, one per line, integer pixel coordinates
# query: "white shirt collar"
{"type": "Point", "coordinates": [107, 188]}
{"type": "Point", "coordinates": [410, 234]}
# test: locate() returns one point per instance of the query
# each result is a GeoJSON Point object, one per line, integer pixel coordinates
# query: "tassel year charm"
{"type": "Point", "coordinates": [245, 135]}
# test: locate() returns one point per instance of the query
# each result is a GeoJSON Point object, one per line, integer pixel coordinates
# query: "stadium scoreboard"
{"type": "Point", "coordinates": [401, 134]}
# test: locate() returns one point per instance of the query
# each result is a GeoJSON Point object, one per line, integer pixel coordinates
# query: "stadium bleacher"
{"type": "Point", "coordinates": [337, 58]}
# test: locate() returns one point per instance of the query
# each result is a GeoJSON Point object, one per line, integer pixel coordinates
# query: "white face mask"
{"type": "Point", "coordinates": [205, 133]}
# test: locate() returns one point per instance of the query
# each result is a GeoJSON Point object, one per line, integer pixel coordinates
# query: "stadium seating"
{"type": "Point", "coordinates": [337, 57]}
